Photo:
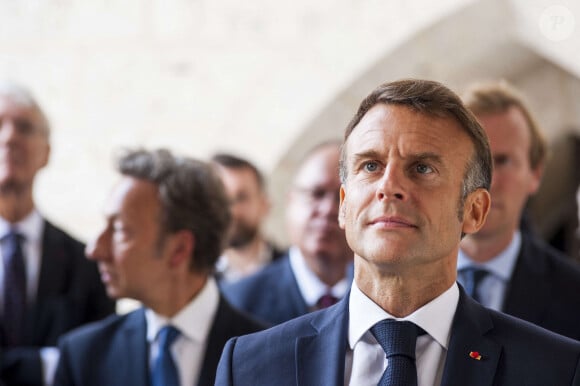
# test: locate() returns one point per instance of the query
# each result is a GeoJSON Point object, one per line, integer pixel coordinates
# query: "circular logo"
{"type": "Point", "coordinates": [557, 23]}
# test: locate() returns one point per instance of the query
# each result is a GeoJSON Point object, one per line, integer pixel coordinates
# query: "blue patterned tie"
{"type": "Point", "coordinates": [14, 288]}
{"type": "Point", "coordinates": [164, 372]}
{"type": "Point", "coordinates": [398, 340]}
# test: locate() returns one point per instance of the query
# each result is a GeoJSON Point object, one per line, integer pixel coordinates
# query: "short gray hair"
{"type": "Point", "coordinates": [21, 96]}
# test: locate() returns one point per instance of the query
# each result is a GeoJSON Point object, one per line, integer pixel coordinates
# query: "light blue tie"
{"type": "Point", "coordinates": [164, 372]}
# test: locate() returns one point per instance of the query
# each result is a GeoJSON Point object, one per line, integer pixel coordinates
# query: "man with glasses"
{"type": "Point", "coordinates": [314, 273]}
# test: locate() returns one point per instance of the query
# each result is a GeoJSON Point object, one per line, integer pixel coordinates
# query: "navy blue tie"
{"type": "Point", "coordinates": [14, 288]}
{"type": "Point", "coordinates": [398, 340]}
{"type": "Point", "coordinates": [164, 372]}
{"type": "Point", "coordinates": [474, 276]}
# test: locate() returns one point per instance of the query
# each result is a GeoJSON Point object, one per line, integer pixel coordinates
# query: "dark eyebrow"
{"type": "Point", "coordinates": [369, 154]}
{"type": "Point", "coordinates": [427, 156]}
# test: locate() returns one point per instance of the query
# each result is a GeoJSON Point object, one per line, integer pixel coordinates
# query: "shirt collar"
{"type": "Point", "coordinates": [194, 321]}
{"type": "Point", "coordinates": [311, 287]}
{"type": "Point", "coordinates": [434, 317]}
{"type": "Point", "coordinates": [30, 227]}
{"type": "Point", "coordinates": [501, 265]}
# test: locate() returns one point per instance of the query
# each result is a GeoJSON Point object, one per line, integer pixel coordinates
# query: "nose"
{"type": "Point", "coordinates": [99, 249]}
{"type": "Point", "coordinates": [8, 130]}
{"type": "Point", "coordinates": [390, 185]}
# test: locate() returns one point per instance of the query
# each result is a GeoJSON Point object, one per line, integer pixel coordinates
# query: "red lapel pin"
{"type": "Point", "coordinates": [475, 355]}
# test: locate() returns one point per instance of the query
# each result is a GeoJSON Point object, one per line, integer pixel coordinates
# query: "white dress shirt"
{"type": "Point", "coordinates": [493, 287]}
{"type": "Point", "coordinates": [366, 360]}
{"type": "Point", "coordinates": [194, 322]}
{"type": "Point", "coordinates": [310, 286]}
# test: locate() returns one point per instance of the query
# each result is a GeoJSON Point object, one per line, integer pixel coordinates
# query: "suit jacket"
{"type": "Point", "coordinates": [70, 293]}
{"type": "Point", "coordinates": [545, 288]}
{"type": "Point", "coordinates": [310, 351]}
{"type": "Point", "coordinates": [271, 295]}
{"type": "Point", "coordinates": [115, 352]}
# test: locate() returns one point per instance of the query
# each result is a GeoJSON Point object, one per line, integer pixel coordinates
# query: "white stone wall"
{"type": "Point", "coordinates": [197, 76]}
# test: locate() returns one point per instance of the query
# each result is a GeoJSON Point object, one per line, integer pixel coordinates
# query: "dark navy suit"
{"type": "Point", "coordinates": [310, 351]}
{"type": "Point", "coordinates": [545, 288]}
{"type": "Point", "coordinates": [70, 294]}
{"type": "Point", "coordinates": [115, 352]}
{"type": "Point", "coordinates": [271, 295]}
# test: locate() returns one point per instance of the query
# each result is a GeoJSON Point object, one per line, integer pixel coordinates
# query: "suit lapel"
{"type": "Point", "coordinates": [217, 338]}
{"type": "Point", "coordinates": [320, 356]}
{"type": "Point", "coordinates": [523, 300]}
{"type": "Point", "coordinates": [134, 351]}
{"type": "Point", "coordinates": [470, 325]}
{"type": "Point", "coordinates": [48, 310]}
{"type": "Point", "coordinates": [291, 292]}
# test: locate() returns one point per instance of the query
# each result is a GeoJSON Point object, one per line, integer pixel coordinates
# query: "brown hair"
{"type": "Point", "coordinates": [498, 97]}
{"type": "Point", "coordinates": [431, 98]}
{"type": "Point", "coordinates": [192, 197]}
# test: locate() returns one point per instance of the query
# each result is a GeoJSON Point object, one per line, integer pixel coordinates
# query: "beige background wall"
{"type": "Point", "coordinates": [264, 79]}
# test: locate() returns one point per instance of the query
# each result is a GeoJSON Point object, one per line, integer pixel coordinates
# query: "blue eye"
{"type": "Point", "coordinates": [371, 166]}
{"type": "Point", "coordinates": [423, 169]}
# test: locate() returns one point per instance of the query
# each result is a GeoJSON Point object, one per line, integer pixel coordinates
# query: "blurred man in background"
{"type": "Point", "coordinates": [502, 266]}
{"type": "Point", "coordinates": [316, 271]}
{"type": "Point", "coordinates": [248, 251]}
{"type": "Point", "coordinates": [47, 286]}
{"type": "Point", "coordinates": [166, 224]}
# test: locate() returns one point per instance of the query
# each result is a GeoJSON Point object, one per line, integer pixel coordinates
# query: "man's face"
{"type": "Point", "coordinates": [130, 251]}
{"type": "Point", "coordinates": [401, 203]}
{"type": "Point", "coordinates": [24, 145]}
{"type": "Point", "coordinates": [513, 180]}
{"type": "Point", "coordinates": [312, 212]}
{"type": "Point", "coordinates": [248, 204]}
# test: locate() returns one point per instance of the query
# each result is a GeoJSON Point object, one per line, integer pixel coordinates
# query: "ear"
{"type": "Point", "coordinates": [265, 204]}
{"type": "Point", "coordinates": [475, 210]}
{"type": "Point", "coordinates": [46, 155]}
{"type": "Point", "coordinates": [342, 207]}
{"type": "Point", "coordinates": [536, 179]}
{"type": "Point", "coordinates": [182, 245]}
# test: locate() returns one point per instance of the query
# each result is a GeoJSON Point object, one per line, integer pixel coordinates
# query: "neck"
{"type": "Point", "coordinates": [176, 294]}
{"type": "Point", "coordinates": [248, 258]}
{"type": "Point", "coordinates": [15, 205]}
{"type": "Point", "coordinates": [481, 249]}
{"type": "Point", "coordinates": [402, 290]}
{"type": "Point", "coordinates": [330, 270]}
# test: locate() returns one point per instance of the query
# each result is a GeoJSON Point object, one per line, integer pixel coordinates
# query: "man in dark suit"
{"type": "Point", "coordinates": [315, 271]}
{"type": "Point", "coordinates": [517, 272]}
{"type": "Point", "coordinates": [248, 250]}
{"type": "Point", "coordinates": [166, 224]}
{"type": "Point", "coordinates": [415, 171]}
{"type": "Point", "coordinates": [56, 288]}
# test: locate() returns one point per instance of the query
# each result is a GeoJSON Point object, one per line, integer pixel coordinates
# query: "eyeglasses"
{"type": "Point", "coordinates": [318, 194]}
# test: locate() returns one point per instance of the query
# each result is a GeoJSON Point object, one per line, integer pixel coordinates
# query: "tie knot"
{"type": "Point", "coordinates": [167, 336]}
{"type": "Point", "coordinates": [397, 337]}
{"type": "Point", "coordinates": [326, 300]}
{"type": "Point", "coordinates": [13, 238]}
{"type": "Point", "coordinates": [477, 274]}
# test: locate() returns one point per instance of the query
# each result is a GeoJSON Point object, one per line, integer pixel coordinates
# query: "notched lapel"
{"type": "Point", "coordinates": [133, 366]}
{"type": "Point", "coordinates": [320, 356]}
{"type": "Point", "coordinates": [472, 359]}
